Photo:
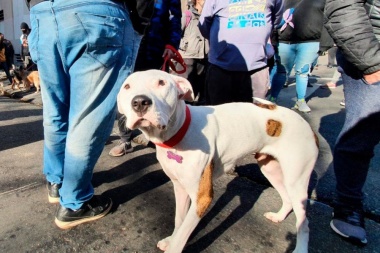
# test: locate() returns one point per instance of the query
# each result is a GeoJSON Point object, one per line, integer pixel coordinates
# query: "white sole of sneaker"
{"type": "Point", "coordinates": [297, 108]}
{"type": "Point", "coordinates": [71, 224]}
{"type": "Point", "coordinates": [53, 200]}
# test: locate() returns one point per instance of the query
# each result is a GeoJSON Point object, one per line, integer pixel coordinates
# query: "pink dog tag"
{"type": "Point", "coordinates": [175, 157]}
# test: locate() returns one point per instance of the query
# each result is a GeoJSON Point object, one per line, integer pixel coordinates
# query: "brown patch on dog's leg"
{"type": "Point", "coordinates": [206, 191]}
{"type": "Point", "coordinates": [265, 106]}
{"type": "Point", "coordinates": [274, 128]}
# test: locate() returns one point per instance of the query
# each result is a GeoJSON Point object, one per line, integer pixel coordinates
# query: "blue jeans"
{"type": "Point", "coordinates": [301, 56]}
{"type": "Point", "coordinates": [360, 134]}
{"type": "Point", "coordinates": [84, 51]}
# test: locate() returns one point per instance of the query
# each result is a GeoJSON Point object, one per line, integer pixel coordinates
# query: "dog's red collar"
{"type": "Point", "coordinates": [175, 139]}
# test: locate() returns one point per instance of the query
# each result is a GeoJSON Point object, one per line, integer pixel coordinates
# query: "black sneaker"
{"type": "Point", "coordinates": [349, 223]}
{"type": "Point", "coordinates": [53, 192]}
{"type": "Point", "coordinates": [93, 209]}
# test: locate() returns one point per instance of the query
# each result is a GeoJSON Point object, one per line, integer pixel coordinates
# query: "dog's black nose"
{"type": "Point", "coordinates": [141, 103]}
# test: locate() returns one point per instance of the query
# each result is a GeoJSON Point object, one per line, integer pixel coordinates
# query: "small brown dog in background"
{"type": "Point", "coordinates": [28, 78]}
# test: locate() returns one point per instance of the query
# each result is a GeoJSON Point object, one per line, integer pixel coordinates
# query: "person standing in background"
{"type": "Point", "coordinates": [194, 49]}
{"type": "Point", "coordinates": [355, 29]}
{"type": "Point", "coordinates": [9, 51]}
{"type": "Point", "coordinates": [299, 35]}
{"type": "Point", "coordinates": [3, 57]}
{"type": "Point", "coordinates": [25, 53]}
{"type": "Point", "coordinates": [238, 32]}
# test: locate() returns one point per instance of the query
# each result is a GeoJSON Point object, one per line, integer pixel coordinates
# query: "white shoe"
{"type": "Point", "coordinates": [302, 106]}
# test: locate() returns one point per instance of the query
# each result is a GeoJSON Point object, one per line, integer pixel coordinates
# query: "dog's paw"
{"type": "Point", "coordinates": [274, 217]}
{"type": "Point", "coordinates": [164, 243]}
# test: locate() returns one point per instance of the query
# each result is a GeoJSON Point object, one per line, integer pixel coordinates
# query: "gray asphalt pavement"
{"type": "Point", "coordinates": [143, 211]}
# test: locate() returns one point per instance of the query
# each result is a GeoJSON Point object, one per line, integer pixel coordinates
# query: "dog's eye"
{"type": "Point", "coordinates": [161, 82]}
{"type": "Point", "coordinates": [127, 86]}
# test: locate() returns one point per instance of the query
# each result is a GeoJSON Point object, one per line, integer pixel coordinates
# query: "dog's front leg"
{"type": "Point", "coordinates": [182, 203]}
{"type": "Point", "coordinates": [201, 194]}
{"type": "Point", "coordinates": [179, 238]}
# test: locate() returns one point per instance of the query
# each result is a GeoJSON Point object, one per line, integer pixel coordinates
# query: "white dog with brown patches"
{"type": "Point", "coordinates": [197, 144]}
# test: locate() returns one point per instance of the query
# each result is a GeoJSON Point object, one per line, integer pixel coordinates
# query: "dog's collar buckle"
{"type": "Point", "coordinates": [177, 138]}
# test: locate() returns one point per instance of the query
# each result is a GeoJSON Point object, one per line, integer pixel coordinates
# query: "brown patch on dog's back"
{"type": "Point", "coordinates": [265, 106]}
{"type": "Point", "coordinates": [206, 191]}
{"type": "Point", "coordinates": [274, 128]}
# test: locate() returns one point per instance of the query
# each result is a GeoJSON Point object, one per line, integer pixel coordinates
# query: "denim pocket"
{"type": "Point", "coordinates": [104, 36]}
{"type": "Point", "coordinates": [33, 39]}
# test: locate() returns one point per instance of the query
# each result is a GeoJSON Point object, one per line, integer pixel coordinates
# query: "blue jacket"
{"type": "Point", "coordinates": [164, 28]}
{"type": "Point", "coordinates": [238, 31]}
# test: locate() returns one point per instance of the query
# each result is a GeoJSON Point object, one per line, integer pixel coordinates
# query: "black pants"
{"type": "Point", "coordinates": [196, 74]}
{"type": "Point", "coordinates": [223, 86]}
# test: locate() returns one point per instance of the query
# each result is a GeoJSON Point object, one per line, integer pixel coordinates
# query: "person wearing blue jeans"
{"type": "Point", "coordinates": [84, 50]}
{"type": "Point", "coordinates": [358, 57]}
{"type": "Point", "coordinates": [299, 35]}
{"type": "Point", "coordinates": [301, 56]}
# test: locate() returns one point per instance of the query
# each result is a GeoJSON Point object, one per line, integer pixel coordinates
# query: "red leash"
{"type": "Point", "coordinates": [177, 57]}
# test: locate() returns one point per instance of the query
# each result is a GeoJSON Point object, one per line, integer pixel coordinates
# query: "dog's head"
{"type": "Point", "coordinates": [150, 98]}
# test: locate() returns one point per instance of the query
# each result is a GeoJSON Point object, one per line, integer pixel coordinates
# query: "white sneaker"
{"type": "Point", "coordinates": [302, 106]}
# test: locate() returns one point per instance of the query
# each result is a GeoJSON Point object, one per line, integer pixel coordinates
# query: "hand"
{"type": "Point", "coordinates": [168, 53]}
{"type": "Point", "coordinates": [372, 78]}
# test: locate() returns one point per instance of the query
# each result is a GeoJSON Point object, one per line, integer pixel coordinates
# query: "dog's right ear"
{"type": "Point", "coordinates": [185, 90]}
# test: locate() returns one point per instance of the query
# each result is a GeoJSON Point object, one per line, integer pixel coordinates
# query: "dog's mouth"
{"type": "Point", "coordinates": [145, 123]}
{"type": "Point", "coordinates": [141, 123]}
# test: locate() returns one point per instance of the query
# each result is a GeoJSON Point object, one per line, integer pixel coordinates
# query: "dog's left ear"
{"type": "Point", "coordinates": [185, 90]}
